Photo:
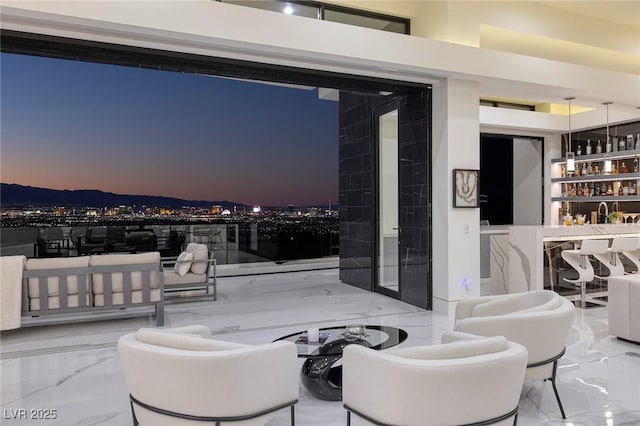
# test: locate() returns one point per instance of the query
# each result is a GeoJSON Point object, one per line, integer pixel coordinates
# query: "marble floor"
{"type": "Point", "coordinates": [75, 369]}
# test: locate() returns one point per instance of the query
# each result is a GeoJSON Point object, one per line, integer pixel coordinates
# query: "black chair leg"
{"type": "Point", "coordinates": [515, 419]}
{"type": "Point", "coordinates": [348, 418]}
{"type": "Point", "coordinates": [293, 416]}
{"type": "Point", "coordinates": [133, 414]}
{"type": "Point", "coordinates": [555, 389]}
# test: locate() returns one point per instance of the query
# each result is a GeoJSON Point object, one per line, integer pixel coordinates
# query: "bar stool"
{"type": "Point", "coordinates": [634, 256]}
{"type": "Point", "coordinates": [579, 260]}
{"type": "Point", "coordinates": [611, 259]}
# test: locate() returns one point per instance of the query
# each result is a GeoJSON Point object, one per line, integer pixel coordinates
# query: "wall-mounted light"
{"type": "Point", "coordinates": [288, 10]}
{"type": "Point", "coordinates": [571, 165]}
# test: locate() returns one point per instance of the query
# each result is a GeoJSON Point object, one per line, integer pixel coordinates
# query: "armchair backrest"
{"type": "Point", "coordinates": [407, 386]}
{"type": "Point", "coordinates": [193, 375]}
{"type": "Point", "coordinates": [543, 332]}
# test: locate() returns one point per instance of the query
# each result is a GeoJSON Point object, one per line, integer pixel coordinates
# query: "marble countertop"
{"type": "Point", "coordinates": [583, 230]}
{"type": "Point", "coordinates": [494, 229]}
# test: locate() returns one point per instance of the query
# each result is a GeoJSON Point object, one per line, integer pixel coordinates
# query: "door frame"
{"type": "Point", "coordinates": [386, 106]}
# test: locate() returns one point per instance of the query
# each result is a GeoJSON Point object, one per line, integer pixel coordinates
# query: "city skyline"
{"type": "Point", "coordinates": [77, 125]}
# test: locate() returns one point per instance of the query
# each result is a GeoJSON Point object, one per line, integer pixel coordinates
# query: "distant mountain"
{"type": "Point", "coordinates": [20, 195]}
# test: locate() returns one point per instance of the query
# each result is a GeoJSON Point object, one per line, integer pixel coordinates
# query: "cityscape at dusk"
{"type": "Point", "coordinates": [76, 125]}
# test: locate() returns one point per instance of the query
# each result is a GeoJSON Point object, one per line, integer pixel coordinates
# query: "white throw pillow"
{"type": "Point", "coordinates": [201, 255]}
{"type": "Point", "coordinates": [183, 264]}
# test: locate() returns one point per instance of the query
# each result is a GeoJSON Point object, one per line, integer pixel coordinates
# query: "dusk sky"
{"type": "Point", "coordinates": [76, 125]}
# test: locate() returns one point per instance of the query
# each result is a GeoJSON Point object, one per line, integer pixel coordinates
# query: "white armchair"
{"type": "Point", "coordinates": [181, 376]}
{"type": "Point", "coordinates": [538, 320]}
{"type": "Point", "coordinates": [461, 383]}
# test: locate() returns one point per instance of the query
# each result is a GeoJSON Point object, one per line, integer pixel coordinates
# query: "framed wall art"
{"type": "Point", "coordinates": [465, 188]}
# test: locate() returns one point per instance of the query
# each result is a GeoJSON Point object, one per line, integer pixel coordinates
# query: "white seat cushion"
{"type": "Point", "coordinates": [117, 278]}
{"type": "Point", "coordinates": [53, 288]}
{"type": "Point", "coordinates": [172, 278]}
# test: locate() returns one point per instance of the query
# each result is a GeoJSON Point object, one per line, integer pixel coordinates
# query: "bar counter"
{"type": "Point", "coordinates": [527, 246]}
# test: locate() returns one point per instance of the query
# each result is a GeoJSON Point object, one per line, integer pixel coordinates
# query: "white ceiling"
{"type": "Point", "coordinates": [621, 12]}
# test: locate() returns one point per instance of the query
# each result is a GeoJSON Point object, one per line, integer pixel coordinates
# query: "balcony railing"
{"type": "Point", "coordinates": [231, 243]}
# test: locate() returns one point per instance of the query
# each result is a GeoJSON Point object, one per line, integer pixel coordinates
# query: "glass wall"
{"type": "Point", "coordinates": [333, 13]}
{"type": "Point", "coordinates": [277, 240]}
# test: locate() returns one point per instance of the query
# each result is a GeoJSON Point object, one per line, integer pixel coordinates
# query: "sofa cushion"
{"type": "Point", "coordinates": [117, 280]}
{"type": "Point", "coordinates": [183, 263]}
{"type": "Point", "coordinates": [117, 298]}
{"type": "Point", "coordinates": [172, 278]}
{"type": "Point", "coordinates": [200, 257]}
{"type": "Point", "coordinates": [54, 302]}
{"type": "Point", "coordinates": [53, 282]}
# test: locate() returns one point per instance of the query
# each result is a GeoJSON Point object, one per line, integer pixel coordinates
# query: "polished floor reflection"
{"type": "Point", "coordinates": [74, 369]}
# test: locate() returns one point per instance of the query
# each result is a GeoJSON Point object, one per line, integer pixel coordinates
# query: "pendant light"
{"type": "Point", "coordinates": [607, 156]}
{"type": "Point", "coordinates": [571, 165]}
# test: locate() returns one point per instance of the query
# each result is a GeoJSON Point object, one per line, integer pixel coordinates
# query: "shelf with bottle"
{"type": "Point", "coordinates": [598, 199]}
{"type": "Point", "coordinates": [598, 178]}
{"type": "Point", "coordinates": [620, 190]}
{"type": "Point", "coordinates": [605, 170]}
{"type": "Point", "coordinates": [615, 147]}
{"type": "Point", "coordinates": [616, 155]}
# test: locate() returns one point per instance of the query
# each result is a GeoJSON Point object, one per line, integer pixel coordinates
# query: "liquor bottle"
{"type": "Point", "coordinates": [608, 145]}
{"type": "Point", "coordinates": [588, 149]}
{"type": "Point", "coordinates": [583, 172]}
{"type": "Point", "coordinates": [630, 144]}
{"type": "Point", "coordinates": [625, 189]}
{"type": "Point", "coordinates": [614, 146]}
{"type": "Point", "coordinates": [619, 188]}
{"type": "Point", "coordinates": [635, 164]}
{"type": "Point", "coordinates": [599, 147]}
{"type": "Point", "coordinates": [596, 171]}
{"type": "Point", "coordinates": [603, 189]}
{"type": "Point", "coordinates": [610, 190]}
{"type": "Point", "coordinates": [579, 150]}
{"type": "Point", "coordinates": [637, 141]}
{"type": "Point", "coordinates": [592, 189]}
{"type": "Point", "coordinates": [632, 188]}
{"type": "Point", "coordinates": [621, 144]}
{"type": "Point", "coordinates": [623, 168]}
{"type": "Point", "coordinates": [597, 191]}
{"type": "Point", "coordinates": [589, 170]}
{"type": "Point", "coordinates": [563, 170]}
{"type": "Point", "coordinates": [614, 169]}
{"type": "Point", "coordinates": [585, 190]}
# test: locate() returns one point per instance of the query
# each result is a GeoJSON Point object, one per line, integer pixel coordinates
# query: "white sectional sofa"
{"type": "Point", "coordinates": [624, 307]}
{"type": "Point", "coordinates": [85, 288]}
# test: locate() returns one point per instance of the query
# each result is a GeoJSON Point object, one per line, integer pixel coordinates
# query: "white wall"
{"type": "Point", "coordinates": [456, 232]}
{"type": "Point", "coordinates": [218, 29]}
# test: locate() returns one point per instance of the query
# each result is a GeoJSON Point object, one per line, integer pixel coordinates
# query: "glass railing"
{"type": "Point", "coordinates": [331, 12]}
{"type": "Point", "coordinates": [273, 240]}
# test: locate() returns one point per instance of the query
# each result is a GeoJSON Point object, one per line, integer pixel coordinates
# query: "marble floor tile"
{"type": "Point", "coordinates": [74, 369]}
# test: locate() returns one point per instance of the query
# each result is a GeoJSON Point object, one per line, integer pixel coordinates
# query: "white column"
{"type": "Point", "coordinates": [456, 231]}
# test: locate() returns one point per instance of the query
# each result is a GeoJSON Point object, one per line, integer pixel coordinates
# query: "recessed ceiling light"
{"type": "Point", "coordinates": [288, 10]}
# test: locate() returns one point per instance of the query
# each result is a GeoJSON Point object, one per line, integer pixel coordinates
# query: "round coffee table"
{"type": "Point", "coordinates": [319, 374]}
